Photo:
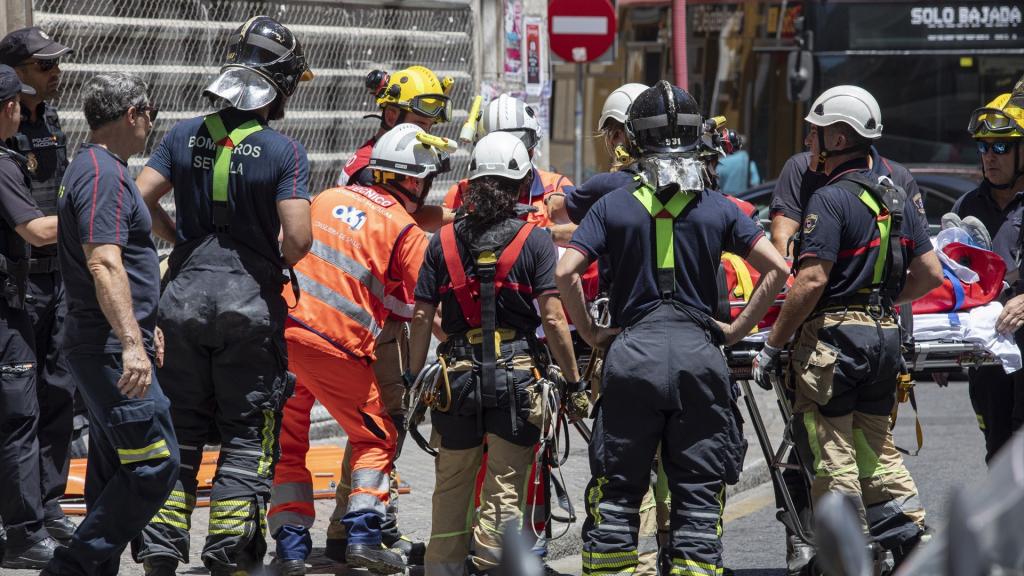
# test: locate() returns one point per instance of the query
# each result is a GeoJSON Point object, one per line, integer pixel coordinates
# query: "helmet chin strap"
{"type": "Point", "coordinates": [411, 202]}
{"type": "Point", "coordinates": [824, 152]}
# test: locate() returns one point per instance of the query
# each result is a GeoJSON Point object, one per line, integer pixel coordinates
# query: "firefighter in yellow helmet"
{"type": "Point", "coordinates": [414, 95]}
{"type": "Point", "coordinates": [998, 129]}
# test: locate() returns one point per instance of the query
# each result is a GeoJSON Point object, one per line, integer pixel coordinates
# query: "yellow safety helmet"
{"type": "Point", "coordinates": [1001, 118]}
{"type": "Point", "coordinates": [415, 89]}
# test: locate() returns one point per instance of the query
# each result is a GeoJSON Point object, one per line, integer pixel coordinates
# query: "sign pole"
{"type": "Point", "coordinates": [578, 160]}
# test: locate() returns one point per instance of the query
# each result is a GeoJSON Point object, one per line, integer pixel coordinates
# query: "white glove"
{"type": "Point", "coordinates": [765, 363]}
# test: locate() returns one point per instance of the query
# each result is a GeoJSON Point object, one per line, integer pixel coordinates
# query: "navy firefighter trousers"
{"type": "Point", "coordinates": [653, 393]}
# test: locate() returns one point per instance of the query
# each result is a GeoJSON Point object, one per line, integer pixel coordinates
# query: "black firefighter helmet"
{"type": "Point", "coordinates": [664, 119]}
{"type": "Point", "coordinates": [266, 46]}
{"type": "Point", "coordinates": [264, 61]}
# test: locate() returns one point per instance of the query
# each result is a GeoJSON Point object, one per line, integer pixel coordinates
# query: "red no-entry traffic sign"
{"type": "Point", "coordinates": [581, 30]}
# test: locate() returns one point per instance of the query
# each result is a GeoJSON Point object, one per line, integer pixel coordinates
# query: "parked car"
{"type": "Point", "coordinates": [940, 184]}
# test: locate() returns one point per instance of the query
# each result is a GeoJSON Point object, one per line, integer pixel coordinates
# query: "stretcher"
{"type": "Point", "coordinates": [323, 462]}
{"type": "Point", "coordinates": [921, 357]}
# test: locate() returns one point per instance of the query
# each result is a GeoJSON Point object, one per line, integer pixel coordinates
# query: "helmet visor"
{"type": "Point", "coordinates": [436, 106]}
{"type": "Point", "coordinates": [992, 120]}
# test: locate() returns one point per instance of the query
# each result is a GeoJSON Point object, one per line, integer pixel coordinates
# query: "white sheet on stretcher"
{"type": "Point", "coordinates": [976, 325]}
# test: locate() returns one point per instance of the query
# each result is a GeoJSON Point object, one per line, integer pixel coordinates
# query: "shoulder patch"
{"type": "Point", "coordinates": [810, 222]}
{"type": "Point", "coordinates": [919, 203]}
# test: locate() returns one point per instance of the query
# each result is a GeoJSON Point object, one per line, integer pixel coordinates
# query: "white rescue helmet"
{"type": "Point", "coordinates": [617, 104]}
{"type": "Point", "coordinates": [500, 154]}
{"type": "Point", "coordinates": [399, 151]}
{"type": "Point", "coordinates": [851, 105]}
{"type": "Point", "coordinates": [508, 114]}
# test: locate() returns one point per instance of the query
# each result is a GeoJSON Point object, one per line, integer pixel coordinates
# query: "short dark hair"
{"type": "Point", "coordinates": [853, 138]}
{"type": "Point", "coordinates": [107, 97]}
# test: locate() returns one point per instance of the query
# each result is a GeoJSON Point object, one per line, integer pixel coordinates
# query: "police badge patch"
{"type": "Point", "coordinates": [810, 222]}
{"type": "Point", "coordinates": [33, 162]}
{"type": "Point", "coordinates": [919, 203]}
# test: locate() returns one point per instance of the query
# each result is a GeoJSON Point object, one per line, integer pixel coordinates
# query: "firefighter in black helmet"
{"type": "Point", "coordinates": [667, 231]}
{"type": "Point", "coordinates": [237, 185]}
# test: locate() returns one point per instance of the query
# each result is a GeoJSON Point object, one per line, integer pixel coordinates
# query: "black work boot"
{"type": "Point", "coordinates": [799, 554]}
{"type": "Point", "coordinates": [289, 567]}
{"type": "Point", "coordinates": [335, 549]}
{"type": "Point", "coordinates": [412, 552]}
{"type": "Point", "coordinates": [35, 557]}
{"type": "Point", "coordinates": [159, 566]}
{"type": "Point", "coordinates": [376, 559]}
{"type": "Point", "coordinates": [60, 529]}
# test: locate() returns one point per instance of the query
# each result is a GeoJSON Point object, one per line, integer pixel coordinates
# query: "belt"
{"type": "Point", "coordinates": [43, 265]}
{"type": "Point", "coordinates": [469, 345]}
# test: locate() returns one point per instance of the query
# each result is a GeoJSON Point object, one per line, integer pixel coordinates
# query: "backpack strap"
{"type": "Point", "coordinates": [664, 214]}
{"type": "Point", "coordinates": [226, 142]}
{"type": "Point", "coordinates": [457, 273]}
{"type": "Point", "coordinates": [886, 202]}
{"type": "Point", "coordinates": [467, 291]}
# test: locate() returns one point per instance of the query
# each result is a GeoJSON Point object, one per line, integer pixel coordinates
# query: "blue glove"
{"type": "Point", "coordinates": [765, 363]}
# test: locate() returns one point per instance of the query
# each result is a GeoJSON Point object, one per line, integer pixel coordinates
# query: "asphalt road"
{"type": "Point", "coordinates": [754, 541]}
{"type": "Point", "coordinates": [952, 457]}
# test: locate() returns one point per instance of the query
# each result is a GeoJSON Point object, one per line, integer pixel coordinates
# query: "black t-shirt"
{"type": "Point", "coordinates": [839, 228]}
{"type": "Point", "coordinates": [620, 226]}
{"type": "Point", "coordinates": [1003, 224]}
{"type": "Point", "coordinates": [16, 204]}
{"type": "Point", "coordinates": [266, 167]}
{"type": "Point", "coordinates": [533, 274]}
{"type": "Point", "coordinates": [579, 199]}
{"type": "Point", "coordinates": [99, 204]}
{"type": "Point", "coordinates": [797, 182]}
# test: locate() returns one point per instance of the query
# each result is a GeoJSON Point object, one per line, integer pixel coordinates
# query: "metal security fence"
{"type": "Point", "coordinates": [177, 47]}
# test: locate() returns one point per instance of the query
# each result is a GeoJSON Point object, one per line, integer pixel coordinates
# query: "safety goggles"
{"type": "Point", "coordinates": [997, 148]}
{"type": "Point", "coordinates": [529, 137]}
{"type": "Point", "coordinates": [436, 106]}
{"type": "Point", "coordinates": [44, 65]}
{"type": "Point", "coordinates": [992, 120]}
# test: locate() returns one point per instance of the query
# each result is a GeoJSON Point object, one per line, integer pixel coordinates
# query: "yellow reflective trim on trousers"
{"type": "Point", "coordinates": [267, 434]}
{"type": "Point", "coordinates": [166, 517]}
{"type": "Point", "coordinates": [177, 497]}
{"type": "Point", "coordinates": [230, 514]}
{"type": "Point", "coordinates": [981, 421]}
{"type": "Point", "coordinates": [232, 503]}
{"type": "Point", "coordinates": [721, 511]}
{"type": "Point", "coordinates": [451, 534]}
{"type": "Point", "coordinates": [155, 451]}
{"type": "Point", "coordinates": [686, 562]}
{"type": "Point", "coordinates": [812, 440]}
{"type": "Point", "coordinates": [884, 226]}
{"type": "Point", "coordinates": [594, 496]}
{"type": "Point", "coordinates": [621, 555]}
{"type": "Point", "coordinates": [595, 572]}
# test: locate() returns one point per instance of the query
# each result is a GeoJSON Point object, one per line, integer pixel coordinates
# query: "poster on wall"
{"type": "Point", "coordinates": [534, 61]}
{"type": "Point", "coordinates": [513, 40]}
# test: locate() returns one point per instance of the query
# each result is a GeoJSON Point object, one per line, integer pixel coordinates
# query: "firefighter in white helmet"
{"type": "Point", "coordinates": [477, 398]}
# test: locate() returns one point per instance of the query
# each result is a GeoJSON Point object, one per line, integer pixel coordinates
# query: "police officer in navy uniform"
{"type": "Point", "coordinates": [40, 139]}
{"type": "Point", "coordinates": [862, 251]}
{"type": "Point", "coordinates": [23, 227]}
{"type": "Point", "coordinates": [238, 184]}
{"type": "Point", "coordinates": [667, 231]}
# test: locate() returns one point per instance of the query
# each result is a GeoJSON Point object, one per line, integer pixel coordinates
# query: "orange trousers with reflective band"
{"type": "Point", "coordinates": [348, 389]}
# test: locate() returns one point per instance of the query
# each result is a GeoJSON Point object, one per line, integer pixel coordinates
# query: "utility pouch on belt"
{"type": "Point", "coordinates": [14, 281]}
{"type": "Point", "coordinates": [814, 366]}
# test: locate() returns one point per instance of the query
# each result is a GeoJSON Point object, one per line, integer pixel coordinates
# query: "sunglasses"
{"type": "Point", "coordinates": [44, 65]}
{"type": "Point", "coordinates": [150, 111]}
{"type": "Point", "coordinates": [998, 148]}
